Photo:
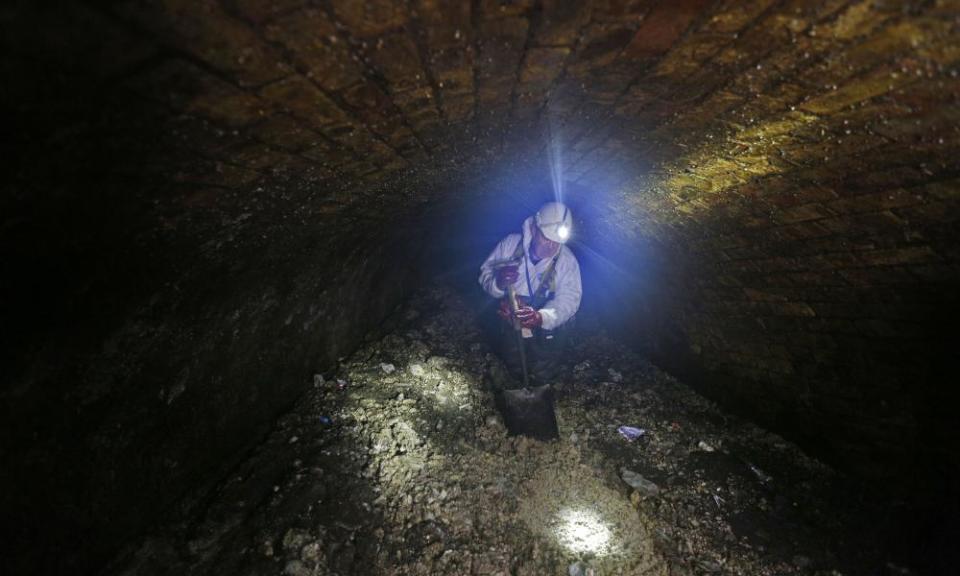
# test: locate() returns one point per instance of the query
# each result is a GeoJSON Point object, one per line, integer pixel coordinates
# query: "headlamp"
{"type": "Point", "coordinates": [563, 232]}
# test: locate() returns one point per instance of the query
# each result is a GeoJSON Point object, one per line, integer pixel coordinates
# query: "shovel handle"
{"type": "Point", "coordinates": [514, 306]}
{"type": "Point", "coordinates": [512, 295]}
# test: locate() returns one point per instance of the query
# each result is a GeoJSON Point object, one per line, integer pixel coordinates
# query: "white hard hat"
{"type": "Point", "coordinates": [555, 221]}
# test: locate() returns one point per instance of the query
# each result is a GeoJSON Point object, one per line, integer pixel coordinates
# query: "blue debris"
{"type": "Point", "coordinates": [631, 433]}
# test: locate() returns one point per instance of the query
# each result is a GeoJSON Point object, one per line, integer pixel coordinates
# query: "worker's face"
{"type": "Point", "coordinates": [543, 247]}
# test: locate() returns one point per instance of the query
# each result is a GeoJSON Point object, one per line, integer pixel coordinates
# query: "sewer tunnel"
{"type": "Point", "coordinates": [243, 332]}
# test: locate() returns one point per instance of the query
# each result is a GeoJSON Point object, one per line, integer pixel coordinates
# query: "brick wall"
{"type": "Point", "coordinates": [791, 167]}
{"type": "Point", "coordinates": [808, 186]}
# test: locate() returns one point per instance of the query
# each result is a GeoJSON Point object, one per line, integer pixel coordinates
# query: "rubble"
{"type": "Point", "coordinates": [410, 471]}
{"type": "Point", "coordinates": [387, 368]}
{"type": "Point", "coordinates": [639, 483]}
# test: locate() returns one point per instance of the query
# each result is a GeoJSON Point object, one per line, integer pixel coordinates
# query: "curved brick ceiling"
{"type": "Point", "coordinates": [711, 102]}
{"type": "Point", "coordinates": [801, 156]}
{"type": "Point", "coordinates": [177, 164]}
{"type": "Point", "coordinates": [715, 95]}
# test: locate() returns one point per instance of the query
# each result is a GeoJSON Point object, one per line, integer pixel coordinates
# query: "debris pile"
{"type": "Point", "coordinates": [399, 464]}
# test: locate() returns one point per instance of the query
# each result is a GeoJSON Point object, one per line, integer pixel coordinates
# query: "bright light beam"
{"type": "Point", "coordinates": [554, 155]}
{"type": "Point", "coordinates": [616, 267]}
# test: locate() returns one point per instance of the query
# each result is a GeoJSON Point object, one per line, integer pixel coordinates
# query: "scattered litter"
{"type": "Point", "coordinates": [710, 565]}
{"type": "Point", "coordinates": [387, 368]}
{"type": "Point", "coordinates": [415, 473]}
{"type": "Point", "coordinates": [718, 500]}
{"type": "Point", "coordinates": [639, 483]}
{"type": "Point", "coordinates": [293, 439]}
{"type": "Point", "coordinates": [763, 476]}
{"type": "Point", "coordinates": [579, 568]}
{"type": "Point", "coordinates": [631, 433]}
{"type": "Point", "coordinates": [615, 375]}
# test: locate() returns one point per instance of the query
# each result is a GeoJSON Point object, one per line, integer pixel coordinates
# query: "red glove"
{"type": "Point", "coordinates": [504, 311]}
{"type": "Point", "coordinates": [506, 276]}
{"type": "Point", "coordinates": [529, 318]}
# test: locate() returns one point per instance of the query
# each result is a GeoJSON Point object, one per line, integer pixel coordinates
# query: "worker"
{"type": "Point", "coordinates": [545, 275]}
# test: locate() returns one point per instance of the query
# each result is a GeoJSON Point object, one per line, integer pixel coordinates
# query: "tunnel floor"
{"type": "Point", "coordinates": [399, 464]}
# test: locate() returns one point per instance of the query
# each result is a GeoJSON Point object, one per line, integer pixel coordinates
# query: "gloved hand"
{"type": "Point", "coordinates": [506, 276]}
{"type": "Point", "coordinates": [529, 318]}
{"type": "Point", "coordinates": [504, 311]}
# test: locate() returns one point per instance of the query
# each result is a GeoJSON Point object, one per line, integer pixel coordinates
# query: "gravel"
{"type": "Point", "coordinates": [408, 470]}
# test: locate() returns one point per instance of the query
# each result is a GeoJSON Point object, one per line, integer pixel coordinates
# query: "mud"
{"type": "Point", "coordinates": [400, 464]}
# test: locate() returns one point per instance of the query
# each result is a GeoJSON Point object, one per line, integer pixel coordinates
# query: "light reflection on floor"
{"type": "Point", "coordinates": [583, 531]}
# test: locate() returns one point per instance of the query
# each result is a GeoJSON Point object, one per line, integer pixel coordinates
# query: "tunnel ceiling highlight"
{"type": "Point", "coordinates": [682, 107]}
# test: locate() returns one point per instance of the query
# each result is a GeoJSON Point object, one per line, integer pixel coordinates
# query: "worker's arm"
{"type": "Point", "coordinates": [488, 276]}
{"type": "Point", "coordinates": [567, 300]}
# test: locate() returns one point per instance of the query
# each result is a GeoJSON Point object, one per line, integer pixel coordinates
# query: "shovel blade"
{"type": "Point", "coordinates": [529, 412]}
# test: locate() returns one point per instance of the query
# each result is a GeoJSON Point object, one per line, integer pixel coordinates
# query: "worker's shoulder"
{"type": "Point", "coordinates": [567, 255]}
{"type": "Point", "coordinates": [511, 240]}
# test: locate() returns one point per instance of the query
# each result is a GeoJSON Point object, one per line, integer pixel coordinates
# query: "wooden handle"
{"type": "Point", "coordinates": [514, 306]}
{"type": "Point", "coordinates": [512, 296]}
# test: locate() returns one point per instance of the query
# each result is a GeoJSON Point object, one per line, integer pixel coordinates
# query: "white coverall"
{"type": "Point", "coordinates": [565, 302]}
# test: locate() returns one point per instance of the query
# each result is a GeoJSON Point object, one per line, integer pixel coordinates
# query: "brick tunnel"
{"type": "Point", "coordinates": [240, 249]}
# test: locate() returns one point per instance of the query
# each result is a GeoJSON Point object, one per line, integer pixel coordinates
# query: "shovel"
{"type": "Point", "coordinates": [527, 411]}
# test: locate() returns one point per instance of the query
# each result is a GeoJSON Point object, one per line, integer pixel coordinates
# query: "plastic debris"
{"type": "Point", "coordinates": [318, 380]}
{"type": "Point", "coordinates": [761, 475]}
{"type": "Point", "coordinates": [387, 368]}
{"type": "Point", "coordinates": [341, 384]}
{"type": "Point", "coordinates": [631, 433]}
{"type": "Point", "coordinates": [639, 483]}
{"type": "Point", "coordinates": [705, 447]}
{"type": "Point", "coordinates": [579, 568]}
{"type": "Point", "coordinates": [326, 420]}
{"type": "Point", "coordinates": [615, 375]}
{"type": "Point", "coordinates": [718, 500]}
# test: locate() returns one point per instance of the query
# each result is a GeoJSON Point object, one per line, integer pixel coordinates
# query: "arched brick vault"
{"type": "Point", "coordinates": [178, 163]}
